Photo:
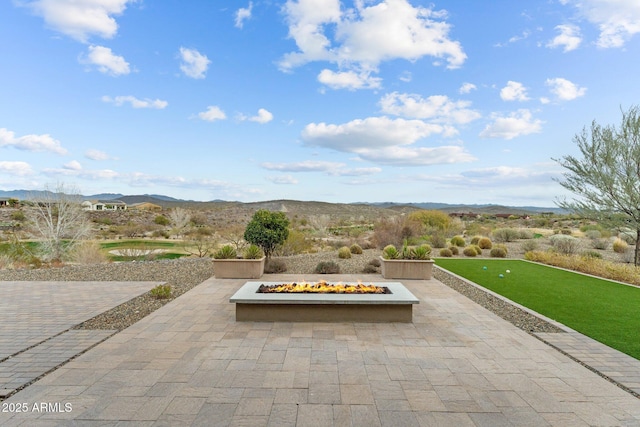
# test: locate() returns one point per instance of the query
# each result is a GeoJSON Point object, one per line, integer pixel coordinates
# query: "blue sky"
{"type": "Point", "coordinates": [366, 100]}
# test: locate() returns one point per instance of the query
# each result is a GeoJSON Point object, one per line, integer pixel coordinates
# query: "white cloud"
{"type": "Point", "coordinates": [617, 20]}
{"type": "Point", "coordinates": [282, 179]}
{"type": "Point", "coordinates": [75, 169]}
{"type": "Point", "coordinates": [263, 116]}
{"type": "Point", "coordinates": [31, 142]}
{"type": "Point", "coordinates": [467, 88]}
{"type": "Point", "coordinates": [569, 38]}
{"type": "Point", "coordinates": [243, 14]}
{"type": "Point", "coordinates": [360, 38]}
{"type": "Point", "coordinates": [98, 155]}
{"type": "Point", "coordinates": [73, 165]}
{"type": "Point", "coordinates": [15, 168]}
{"type": "Point", "coordinates": [437, 108]}
{"type": "Point", "coordinates": [212, 113]}
{"type": "Point", "coordinates": [330, 168]}
{"type": "Point", "coordinates": [385, 141]}
{"type": "Point", "coordinates": [80, 19]}
{"type": "Point", "coordinates": [106, 61]}
{"type": "Point", "coordinates": [348, 80]}
{"type": "Point", "coordinates": [514, 91]}
{"type": "Point", "coordinates": [518, 123]}
{"type": "Point", "coordinates": [194, 64]}
{"type": "Point", "coordinates": [564, 89]}
{"type": "Point", "coordinates": [135, 102]}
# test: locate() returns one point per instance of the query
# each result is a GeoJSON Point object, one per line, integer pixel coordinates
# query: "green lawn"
{"type": "Point", "coordinates": [150, 244]}
{"type": "Point", "coordinates": [605, 311]}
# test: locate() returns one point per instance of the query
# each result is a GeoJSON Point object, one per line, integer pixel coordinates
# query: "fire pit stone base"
{"type": "Point", "coordinates": [296, 307]}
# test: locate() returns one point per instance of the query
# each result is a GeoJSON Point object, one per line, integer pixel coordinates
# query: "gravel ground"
{"type": "Point", "coordinates": [185, 274]}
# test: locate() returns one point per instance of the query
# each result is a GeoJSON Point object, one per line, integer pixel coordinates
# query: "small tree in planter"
{"type": "Point", "coordinates": [267, 230]}
{"type": "Point", "coordinates": [410, 263]}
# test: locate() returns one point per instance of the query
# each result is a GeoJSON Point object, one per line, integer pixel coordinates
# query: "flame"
{"type": "Point", "coordinates": [323, 287]}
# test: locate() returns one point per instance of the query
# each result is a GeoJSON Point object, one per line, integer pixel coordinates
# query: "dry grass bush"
{"type": "Point", "coordinates": [597, 267]}
{"type": "Point", "coordinates": [458, 241]}
{"type": "Point", "coordinates": [370, 269]}
{"type": "Point", "coordinates": [529, 245]}
{"type": "Point", "coordinates": [620, 246]}
{"type": "Point", "coordinates": [475, 240]}
{"type": "Point", "coordinates": [6, 262]}
{"type": "Point", "coordinates": [327, 267]}
{"type": "Point", "coordinates": [438, 240]}
{"type": "Point", "coordinates": [485, 243]}
{"type": "Point", "coordinates": [88, 252]}
{"type": "Point", "coordinates": [375, 262]}
{"type": "Point", "coordinates": [454, 250]}
{"type": "Point", "coordinates": [355, 249]}
{"type": "Point", "coordinates": [395, 230]}
{"type": "Point", "coordinates": [477, 248]}
{"type": "Point", "coordinates": [296, 243]}
{"type": "Point", "coordinates": [601, 244]}
{"type": "Point", "coordinates": [275, 266]}
{"type": "Point", "coordinates": [445, 252]}
{"type": "Point", "coordinates": [505, 234]}
{"type": "Point", "coordinates": [344, 252]}
{"type": "Point", "coordinates": [470, 251]}
{"type": "Point", "coordinates": [498, 252]}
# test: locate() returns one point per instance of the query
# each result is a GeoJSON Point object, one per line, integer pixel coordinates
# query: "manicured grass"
{"type": "Point", "coordinates": [165, 255]}
{"type": "Point", "coordinates": [124, 244]}
{"type": "Point", "coordinates": [603, 310]}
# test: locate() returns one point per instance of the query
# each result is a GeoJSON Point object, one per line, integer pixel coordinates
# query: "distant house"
{"type": "Point", "coordinates": [145, 206]}
{"type": "Point", "coordinates": [4, 202]}
{"type": "Point", "coordinates": [104, 205]}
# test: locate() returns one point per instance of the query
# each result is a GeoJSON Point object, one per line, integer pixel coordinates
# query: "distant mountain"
{"type": "Point", "coordinates": [479, 208]}
{"type": "Point", "coordinates": [103, 196]}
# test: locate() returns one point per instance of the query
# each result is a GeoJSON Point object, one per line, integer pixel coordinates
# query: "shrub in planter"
{"type": "Point", "coordinates": [445, 252]}
{"type": "Point", "coordinates": [327, 267]}
{"type": "Point", "coordinates": [458, 241]}
{"type": "Point", "coordinates": [268, 230]}
{"type": "Point", "coordinates": [344, 253]}
{"type": "Point", "coordinates": [356, 249]}
{"type": "Point", "coordinates": [390, 252]}
{"type": "Point", "coordinates": [226, 252]}
{"type": "Point", "coordinates": [470, 251]}
{"type": "Point", "coordinates": [252, 252]}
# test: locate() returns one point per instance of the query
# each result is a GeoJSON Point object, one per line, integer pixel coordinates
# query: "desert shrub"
{"type": "Point", "coordinates": [458, 241]}
{"type": "Point", "coordinates": [344, 252]}
{"type": "Point", "coordinates": [565, 231]}
{"type": "Point", "coordinates": [104, 220]}
{"type": "Point", "coordinates": [160, 233]}
{"type": "Point", "coordinates": [356, 249]}
{"type": "Point", "coordinates": [252, 252]}
{"type": "Point", "coordinates": [296, 243]}
{"type": "Point", "coordinates": [370, 269]}
{"type": "Point", "coordinates": [275, 266]}
{"type": "Point", "coordinates": [477, 248]}
{"type": "Point", "coordinates": [505, 234]}
{"type": "Point", "coordinates": [470, 251]}
{"type": "Point", "coordinates": [420, 252]}
{"type": "Point", "coordinates": [5, 262]}
{"type": "Point", "coordinates": [523, 233]}
{"type": "Point", "coordinates": [394, 231]}
{"type": "Point", "coordinates": [593, 234]}
{"type": "Point", "coordinates": [438, 240]}
{"type": "Point", "coordinates": [485, 243]}
{"type": "Point", "coordinates": [475, 240]}
{"type": "Point", "coordinates": [161, 292]}
{"type": "Point", "coordinates": [327, 267]}
{"type": "Point", "coordinates": [88, 252]}
{"type": "Point", "coordinates": [620, 246]}
{"type": "Point", "coordinates": [498, 252]}
{"type": "Point", "coordinates": [628, 236]}
{"type": "Point", "coordinates": [529, 245]}
{"type": "Point", "coordinates": [601, 244]}
{"type": "Point", "coordinates": [198, 219]}
{"type": "Point", "coordinates": [564, 244]}
{"type": "Point", "coordinates": [226, 252]}
{"type": "Point", "coordinates": [454, 250]}
{"type": "Point", "coordinates": [432, 219]}
{"type": "Point", "coordinates": [591, 254]}
{"type": "Point", "coordinates": [18, 216]}
{"type": "Point", "coordinates": [267, 230]}
{"type": "Point", "coordinates": [445, 252]}
{"type": "Point", "coordinates": [162, 220]}
{"type": "Point", "coordinates": [375, 262]}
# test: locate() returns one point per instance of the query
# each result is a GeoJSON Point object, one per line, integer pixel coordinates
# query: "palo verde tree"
{"type": "Point", "coordinates": [606, 178]}
{"type": "Point", "coordinates": [267, 230]}
{"type": "Point", "coordinates": [59, 220]}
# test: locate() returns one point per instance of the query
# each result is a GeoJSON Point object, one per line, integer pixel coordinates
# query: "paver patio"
{"type": "Point", "coordinates": [457, 364]}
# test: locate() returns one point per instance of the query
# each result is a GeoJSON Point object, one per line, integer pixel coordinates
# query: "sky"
{"type": "Point", "coordinates": [401, 101]}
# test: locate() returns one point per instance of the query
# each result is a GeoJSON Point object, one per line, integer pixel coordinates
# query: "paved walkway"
{"type": "Point", "coordinates": [190, 363]}
{"type": "Point", "coordinates": [35, 318]}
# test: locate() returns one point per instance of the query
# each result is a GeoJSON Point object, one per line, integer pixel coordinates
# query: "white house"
{"type": "Point", "coordinates": [104, 205]}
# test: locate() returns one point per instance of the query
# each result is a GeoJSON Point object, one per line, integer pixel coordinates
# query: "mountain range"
{"type": "Point", "coordinates": [168, 202]}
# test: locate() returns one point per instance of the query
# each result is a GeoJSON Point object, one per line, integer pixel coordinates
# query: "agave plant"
{"type": "Point", "coordinates": [390, 252]}
{"type": "Point", "coordinates": [252, 252]}
{"type": "Point", "coordinates": [226, 252]}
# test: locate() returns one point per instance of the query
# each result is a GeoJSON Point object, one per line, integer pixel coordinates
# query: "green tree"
{"type": "Point", "coordinates": [606, 178]}
{"type": "Point", "coordinates": [267, 229]}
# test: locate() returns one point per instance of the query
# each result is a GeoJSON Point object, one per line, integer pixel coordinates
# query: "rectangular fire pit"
{"type": "Point", "coordinates": [252, 306]}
